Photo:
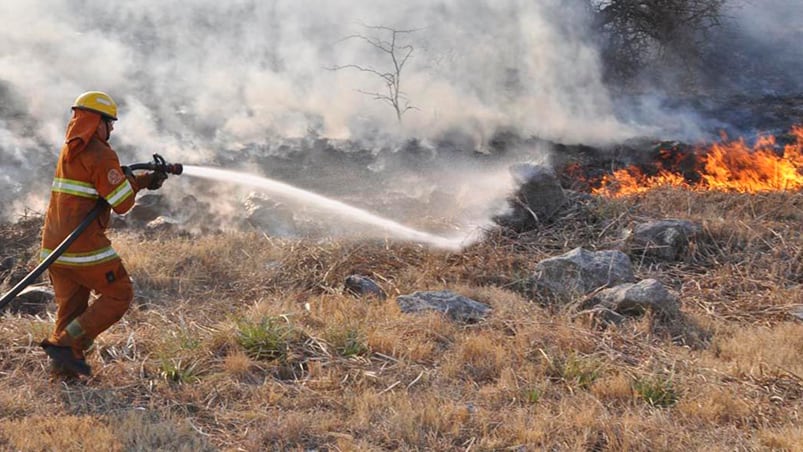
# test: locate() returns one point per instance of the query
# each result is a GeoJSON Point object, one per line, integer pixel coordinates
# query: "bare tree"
{"type": "Point", "coordinates": [398, 54]}
{"type": "Point", "coordinates": [638, 32]}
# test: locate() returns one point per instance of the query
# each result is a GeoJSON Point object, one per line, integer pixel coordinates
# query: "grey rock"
{"type": "Point", "coordinates": [14, 275]}
{"type": "Point", "coordinates": [163, 224]}
{"type": "Point", "coordinates": [457, 307]}
{"type": "Point", "coordinates": [537, 199]}
{"type": "Point", "coordinates": [797, 312]}
{"type": "Point", "coordinates": [362, 285]}
{"type": "Point", "coordinates": [636, 299]}
{"type": "Point", "coordinates": [7, 264]}
{"type": "Point", "coordinates": [194, 213]}
{"type": "Point", "coordinates": [155, 213]}
{"type": "Point", "coordinates": [265, 213]}
{"type": "Point", "coordinates": [147, 208]}
{"type": "Point", "coordinates": [664, 239]}
{"type": "Point", "coordinates": [580, 271]}
{"type": "Point", "coordinates": [32, 300]}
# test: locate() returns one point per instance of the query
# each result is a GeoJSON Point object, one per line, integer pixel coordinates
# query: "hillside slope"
{"type": "Point", "coordinates": [245, 342]}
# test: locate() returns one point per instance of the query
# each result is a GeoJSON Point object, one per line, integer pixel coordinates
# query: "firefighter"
{"type": "Point", "coordinates": [88, 169]}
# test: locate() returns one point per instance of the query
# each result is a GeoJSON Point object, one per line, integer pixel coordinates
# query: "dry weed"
{"type": "Point", "coordinates": [190, 366]}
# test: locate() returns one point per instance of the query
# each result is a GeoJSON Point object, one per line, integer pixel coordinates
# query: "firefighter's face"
{"type": "Point", "coordinates": [106, 126]}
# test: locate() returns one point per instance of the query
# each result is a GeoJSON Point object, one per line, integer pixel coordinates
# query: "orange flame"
{"type": "Point", "coordinates": [728, 166]}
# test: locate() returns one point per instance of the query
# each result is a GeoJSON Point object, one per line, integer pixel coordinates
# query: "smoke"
{"type": "Point", "coordinates": [201, 81]}
{"type": "Point", "coordinates": [197, 78]}
{"type": "Point", "coordinates": [762, 40]}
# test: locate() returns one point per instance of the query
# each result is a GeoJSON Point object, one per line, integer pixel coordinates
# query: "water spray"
{"type": "Point", "coordinates": [397, 230]}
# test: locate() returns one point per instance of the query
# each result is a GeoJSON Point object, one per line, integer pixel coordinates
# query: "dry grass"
{"type": "Point", "coordinates": [243, 342]}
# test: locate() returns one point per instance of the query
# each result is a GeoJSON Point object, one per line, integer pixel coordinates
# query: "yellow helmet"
{"type": "Point", "coordinates": [97, 101]}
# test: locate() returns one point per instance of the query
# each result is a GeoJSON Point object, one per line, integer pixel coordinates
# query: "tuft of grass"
{"type": "Point", "coordinates": [614, 388]}
{"type": "Point", "coordinates": [778, 347]}
{"type": "Point", "coordinates": [178, 356]}
{"type": "Point", "coordinates": [142, 430]}
{"type": "Point", "coordinates": [513, 382]}
{"type": "Point", "coordinates": [237, 364]}
{"type": "Point", "coordinates": [789, 437]}
{"type": "Point", "coordinates": [63, 433]}
{"type": "Point", "coordinates": [348, 341]}
{"type": "Point", "coordinates": [533, 395]}
{"type": "Point", "coordinates": [478, 357]}
{"type": "Point", "coordinates": [657, 391]}
{"type": "Point", "coordinates": [573, 369]}
{"type": "Point", "coordinates": [718, 406]}
{"type": "Point", "coordinates": [13, 406]}
{"type": "Point", "coordinates": [179, 371]}
{"type": "Point", "coordinates": [266, 339]}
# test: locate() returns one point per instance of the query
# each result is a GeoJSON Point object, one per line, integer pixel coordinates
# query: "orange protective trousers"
{"type": "Point", "coordinates": [88, 169]}
{"type": "Point", "coordinates": [73, 285]}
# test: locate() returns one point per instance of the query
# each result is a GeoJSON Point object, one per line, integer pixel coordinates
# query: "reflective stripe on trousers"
{"type": "Point", "coordinates": [82, 259]}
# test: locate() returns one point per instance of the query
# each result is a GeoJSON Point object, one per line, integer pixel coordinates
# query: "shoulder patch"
{"type": "Point", "coordinates": [115, 176]}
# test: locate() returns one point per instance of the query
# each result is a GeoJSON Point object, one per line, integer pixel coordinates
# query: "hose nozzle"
{"type": "Point", "coordinates": [174, 168]}
{"type": "Point", "coordinates": [159, 164]}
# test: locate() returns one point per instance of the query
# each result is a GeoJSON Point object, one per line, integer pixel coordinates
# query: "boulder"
{"type": "Point", "coordinates": [457, 307]}
{"type": "Point", "coordinates": [263, 212]}
{"type": "Point", "coordinates": [32, 300]}
{"type": "Point", "coordinates": [364, 286]}
{"type": "Point", "coordinates": [147, 208]}
{"type": "Point", "coordinates": [155, 213]}
{"type": "Point", "coordinates": [163, 224]}
{"type": "Point", "coordinates": [664, 239]}
{"type": "Point", "coordinates": [636, 299]}
{"type": "Point", "coordinates": [537, 199]}
{"type": "Point", "coordinates": [193, 213]}
{"type": "Point", "coordinates": [580, 271]}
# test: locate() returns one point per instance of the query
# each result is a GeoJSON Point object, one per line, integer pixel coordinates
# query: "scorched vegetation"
{"type": "Point", "coordinates": [247, 342]}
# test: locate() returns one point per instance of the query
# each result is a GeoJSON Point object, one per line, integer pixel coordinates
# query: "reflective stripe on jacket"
{"type": "Point", "coordinates": [81, 178]}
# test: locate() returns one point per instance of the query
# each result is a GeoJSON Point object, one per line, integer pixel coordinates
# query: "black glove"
{"type": "Point", "coordinates": [157, 179]}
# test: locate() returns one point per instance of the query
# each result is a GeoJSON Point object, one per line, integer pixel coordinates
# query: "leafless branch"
{"type": "Point", "coordinates": [399, 56]}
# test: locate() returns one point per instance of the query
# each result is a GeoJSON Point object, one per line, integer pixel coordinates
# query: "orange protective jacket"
{"type": "Point", "coordinates": [87, 169]}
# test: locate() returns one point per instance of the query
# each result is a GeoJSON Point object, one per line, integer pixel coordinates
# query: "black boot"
{"type": "Point", "coordinates": [64, 361]}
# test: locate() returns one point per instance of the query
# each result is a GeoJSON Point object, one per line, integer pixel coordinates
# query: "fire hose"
{"type": "Point", "coordinates": [158, 164]}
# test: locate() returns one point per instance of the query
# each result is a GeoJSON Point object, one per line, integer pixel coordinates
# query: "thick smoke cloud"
{"type": "Point", "coordinates": [196, 79]}
{"type": "Point", "coordinates": [241, 70]}
{"type": "Point", "coordinates": [764, 46]}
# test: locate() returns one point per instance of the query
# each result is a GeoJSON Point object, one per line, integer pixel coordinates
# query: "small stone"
{"type": "Point", "coordinates": [362, 285]}
{"type": "Point", "coordinates": [457, 307]}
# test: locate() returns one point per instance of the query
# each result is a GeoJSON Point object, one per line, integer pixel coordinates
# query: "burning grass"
{"type": "Point", "coordinates": [729, 166]}
{"type": "Point", "coordinates": [244, 342]}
